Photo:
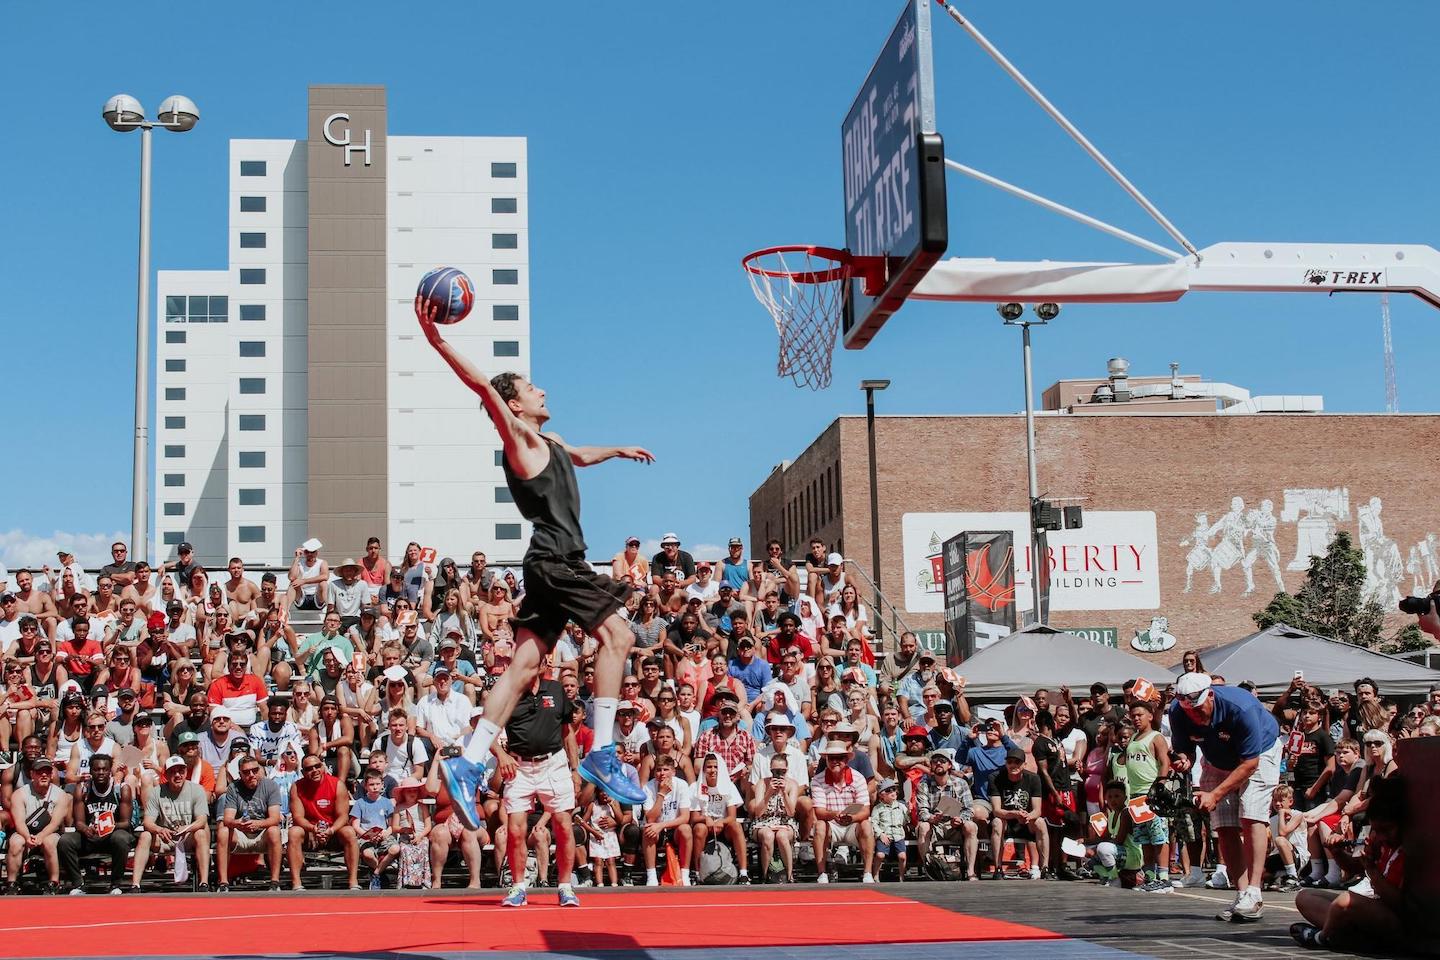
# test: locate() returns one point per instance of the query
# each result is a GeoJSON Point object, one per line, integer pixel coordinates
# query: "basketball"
{"type": "Point", "coordinates": [449, 291]}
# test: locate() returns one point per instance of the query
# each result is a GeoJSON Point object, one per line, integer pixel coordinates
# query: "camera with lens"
{"type": "Point", "coordinates": [1419, 606]}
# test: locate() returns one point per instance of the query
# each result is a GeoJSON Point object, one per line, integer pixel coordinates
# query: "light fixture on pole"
{"type": "Point", "coordinates": [1014, 315]}
{"type": "Point", "coordinates": [871, 387]}
{"type": "Point", "coordinates": [124, 113]}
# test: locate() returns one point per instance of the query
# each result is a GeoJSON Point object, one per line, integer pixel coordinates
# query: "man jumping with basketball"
{"type": "Point", "coordinates": [559, 584]}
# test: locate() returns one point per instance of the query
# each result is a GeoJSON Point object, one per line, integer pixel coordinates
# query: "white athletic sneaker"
{"type": "Point", "coordinates": [823, 878]}
{"type": "Point", "coordinates": [1195, 878]}
{"type": "Point", "coordinates": [1249, 908]}
{"type": "Point", "coordinates": [1034, 873]}
{"type": "Point", "coordinates": [1219, 880]}
{"type": "Point", "coordinates": [868, 878]}
{"type": "Point", "coordinates": [1363, 889]}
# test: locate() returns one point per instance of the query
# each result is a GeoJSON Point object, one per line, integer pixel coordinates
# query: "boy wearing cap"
{"type": "Point", "coordinates": [889, 817]}
{"type": "Point", "coordinates": [1241, 744]}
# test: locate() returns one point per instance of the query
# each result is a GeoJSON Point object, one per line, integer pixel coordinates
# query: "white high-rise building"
{"type": "Point", "coordinates": [296, 396]}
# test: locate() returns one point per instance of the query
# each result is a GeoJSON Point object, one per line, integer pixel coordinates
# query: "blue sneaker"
{"type": "Point", "coordinates": [516, 898]}
{"type": "Point", "coordinates": [567, 896]}
{"type": "Point", "coordinates": [464, 781]}
{"type": "Point", "coordinates": [603, 768]}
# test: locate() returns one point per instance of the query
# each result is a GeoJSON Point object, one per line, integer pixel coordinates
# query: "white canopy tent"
{"type": "Point", "coordinates": [1270, 657]}
{"type": "Point", "coordinates": [1042, 656]}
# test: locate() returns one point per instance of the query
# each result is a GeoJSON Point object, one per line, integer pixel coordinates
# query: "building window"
{"type": "Point", "coordinates": [505, 311]}
{"type": "Point", "coordinates": [251, 535]}
{"type": "Point", "coordinates": [174, 479]}
{"type": "Point", "coordinates": [252, 348]}
{"type": "Point", "coordinates": [252, 458]}
{"type": "Point", "coordinates": [504, 205]}
{"type": "Point", "coordinates": [504, 278]}
{"type": "Point", "coordinates": [252, 422]}
{"type": "Point", "coordinates": [174, 423]}
{"type": "Point", "coordinates": [174, 537]}
{"type": "Point", "coordinates": [252, 311]}
{"type": "Point", "coordinates": [252, 241]}
{"type": "Point", "coordinates": [252, 275]}
{"type": "Point", "coordinates": [507, 531]}
{"type": "Point", "coordinates": [174, 309]}
{"type": "Point", "coordinates": [174, 366]}
{"type": "Point", "coordinates": [252, 385]}
{"type": "Point", "coordinates": [252, 204]}
{"type": "Point", "coordinates": [252, 168]}
{"type": "Point", "coordinates": [504, 241]}
{"type": "Point", "coordinates": [174, 451]}
{"type": "Point", "coordinates": [499, 458]}
{"type": "Point", "coordinates": [252, 497]}
{"type": "Point", "coordinates": [197, 309]}
{"type": "Point", "coordinates": [174, 336]}
{"type": "Point", "coordinates": [174, 509]}
{"type": "Point", "coordinates": [505, 171]}
{"type": "Point", "coordinates": [174, 393]}
{"type": "Point", "coordinates": [502, 495]}
{"type": "Point", "coordinates": [507, 348]}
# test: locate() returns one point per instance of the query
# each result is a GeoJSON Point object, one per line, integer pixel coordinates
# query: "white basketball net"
{"type": "Point", "coordinates": [804, 291]}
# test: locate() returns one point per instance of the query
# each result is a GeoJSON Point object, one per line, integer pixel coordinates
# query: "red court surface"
{"type": "Point", "coordinates": [210, 926]}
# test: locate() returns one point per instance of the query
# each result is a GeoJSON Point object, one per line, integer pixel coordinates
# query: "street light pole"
{"type": "Point", "coordinates": [140, 491]}
{"type": "Point", "coordinates": [124, 113]}
{"type": "Point", "coordinates": [1014, 316]}
{"type": "Point", "coordinates": [870, 387]}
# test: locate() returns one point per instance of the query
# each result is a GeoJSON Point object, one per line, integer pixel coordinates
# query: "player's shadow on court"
{"type": "Point", "coordinates": [594, 946]}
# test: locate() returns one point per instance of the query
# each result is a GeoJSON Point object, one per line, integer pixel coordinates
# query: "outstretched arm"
{"type": "Point", "coordinates": [589, 456]}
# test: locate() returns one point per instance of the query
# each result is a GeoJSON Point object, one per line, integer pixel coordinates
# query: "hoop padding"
{"type": "Point", "coordinates": [803, 289]}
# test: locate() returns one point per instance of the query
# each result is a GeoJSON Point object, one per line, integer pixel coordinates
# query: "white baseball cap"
{"type": "Point", "coordinates": [311, 546]}
{"type": "Point", "coordinates": [835, 560]}
{"type": "Point", "coordinates": [1192, 685]}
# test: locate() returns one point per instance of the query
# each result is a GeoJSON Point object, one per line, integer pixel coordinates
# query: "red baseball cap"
{"type": "Point", "coordinates": [157, 620]}
{"type": "Point", "coordinates": [916, 731]}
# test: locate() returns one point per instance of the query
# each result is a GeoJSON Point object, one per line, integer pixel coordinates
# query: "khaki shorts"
{"type": "Point", "coordinates": [1250, 802]}
{"type": "Point", "coordinates": [547, 780]}
{"type": "Point", "coordinates": [247, 842]}
{"type": "Point", "coordinates": [846, 835]}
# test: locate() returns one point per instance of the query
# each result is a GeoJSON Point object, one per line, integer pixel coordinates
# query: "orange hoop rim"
{"type": "Point", "coordinates": [841, 271]}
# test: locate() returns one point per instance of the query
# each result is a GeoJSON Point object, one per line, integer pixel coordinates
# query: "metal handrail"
{"type": "Point", "coordinates": [897, 622]}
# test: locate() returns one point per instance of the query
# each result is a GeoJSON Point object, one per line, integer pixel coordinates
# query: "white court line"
{"type": "Point", "coordinates": [663, 903]}
{"type": "Point", "coordinates": [1224, 903]}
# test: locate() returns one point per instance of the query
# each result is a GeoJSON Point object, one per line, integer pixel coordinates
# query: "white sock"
{"type": "Point", "coordinates": [1253, 893]}
{"type": "Point", "coordinates": [744, 873]}
{"type": "Point", "coordinates": [650, 875]}
{"type": "Point", "coordinates": [605, 708]}
{"type": "Point", "coordinates": [1289, 869]}
{"type": "Point", "coordinates": [1332, 875]}
{"type": "Point", "coordinates": [684, 878]}
{"type": "Point", "coordinates": [478, 749]}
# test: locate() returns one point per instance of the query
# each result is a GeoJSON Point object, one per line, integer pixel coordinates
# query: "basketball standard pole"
{"type": "Point", "coordinates": [1036, 559]}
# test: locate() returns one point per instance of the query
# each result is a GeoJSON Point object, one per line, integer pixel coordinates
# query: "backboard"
{"type": "Point", "coordinates": [894, 176]}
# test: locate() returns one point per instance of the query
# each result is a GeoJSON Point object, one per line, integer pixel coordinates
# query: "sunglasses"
{"type": "Point", "coordinates": [94, 726]}
{"type": "Point", "coordinates": [308, 767]}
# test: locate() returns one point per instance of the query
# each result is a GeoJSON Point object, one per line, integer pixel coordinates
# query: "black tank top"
{"type": "Point", "coordinates": [551, 501]}
{"type": "Point", "coordinates": [95, 804]}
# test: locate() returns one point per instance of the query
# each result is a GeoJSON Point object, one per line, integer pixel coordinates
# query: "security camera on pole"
{"type": "Point", "coordinates": [1040, 512]}
{"type": "Point", "coordinates": [124, 113]}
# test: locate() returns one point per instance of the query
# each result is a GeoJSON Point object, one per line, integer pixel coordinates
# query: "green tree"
{"type": "Point", "coordinates": [1332, 602]}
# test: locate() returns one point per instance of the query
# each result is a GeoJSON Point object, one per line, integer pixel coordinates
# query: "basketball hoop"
{"type": "Point", "coordinates": [803, 288]}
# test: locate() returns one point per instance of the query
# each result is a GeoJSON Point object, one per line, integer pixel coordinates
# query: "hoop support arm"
{"type": "Point", "coordinates": [1067, 126]}
{"type": "Point", "coordinates": [1223, 268]}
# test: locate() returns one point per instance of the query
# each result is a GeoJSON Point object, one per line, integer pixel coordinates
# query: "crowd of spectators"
{"type": "Point", "coordinates": [178, 727]}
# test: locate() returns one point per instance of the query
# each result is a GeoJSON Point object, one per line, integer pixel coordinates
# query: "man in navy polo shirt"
{"type": "Point", "coordinates": [1241, 743]}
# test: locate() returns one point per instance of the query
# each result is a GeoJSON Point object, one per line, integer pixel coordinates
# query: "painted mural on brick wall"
{"type": "Point", "coordinates": [1238, 550]}
{"type": "Point", "coordinates": [1244, 546]}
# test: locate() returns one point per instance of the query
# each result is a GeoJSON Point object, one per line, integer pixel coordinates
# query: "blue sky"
{"type": "Point", "coordinates": [665, 141]}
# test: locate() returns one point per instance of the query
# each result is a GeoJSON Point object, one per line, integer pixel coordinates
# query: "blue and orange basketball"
{"type": "Point", "coordinates": [449, 291]}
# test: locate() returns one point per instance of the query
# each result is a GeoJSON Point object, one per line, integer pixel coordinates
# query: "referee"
{"type": "Point", "coordinates": [536, 764]}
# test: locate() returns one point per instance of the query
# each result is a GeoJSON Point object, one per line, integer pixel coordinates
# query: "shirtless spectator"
{"type": "Point", "coordinates": [37, 604]}
{"type": "Point", "coordinates": [141, 591]}
{"type": "Point", "coordinates": [240, 592]}
{"type": "Point", "coordinates": [176, 819]}
{"type": "Point", "coordinates": [104, 602]}
{"type": "Point", "coordinates": [309, 578]}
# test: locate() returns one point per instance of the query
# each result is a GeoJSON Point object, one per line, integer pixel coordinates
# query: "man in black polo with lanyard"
{"type": "Point", "coordinates": [535, 764]}
{"type": "Point", "coordinates": [1240, 770]}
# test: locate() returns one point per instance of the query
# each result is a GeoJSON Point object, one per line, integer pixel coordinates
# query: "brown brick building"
{"type": "Point", "coordinates": [1173, 492]}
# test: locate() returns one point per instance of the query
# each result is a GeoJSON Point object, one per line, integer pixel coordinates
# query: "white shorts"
{"type": "Point", "coordinates": [847, 835]}
{"type": "Point", "coordinates": [547, 780]}
{"type": "Point", "coordinates": [1250, 802]}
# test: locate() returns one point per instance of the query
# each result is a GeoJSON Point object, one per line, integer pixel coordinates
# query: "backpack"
{"type": "Point", "coordinates": [944, 866]}
{"type": "Point", "coordinates": [717, 864]}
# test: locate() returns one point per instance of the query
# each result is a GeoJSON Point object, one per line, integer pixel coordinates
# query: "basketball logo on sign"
{"type": "Point", "coordinates": [449, 291]}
